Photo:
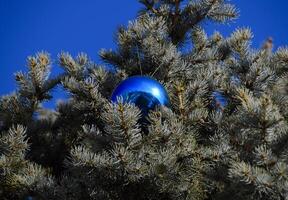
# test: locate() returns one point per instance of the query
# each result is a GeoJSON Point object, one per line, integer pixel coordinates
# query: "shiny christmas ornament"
{"type": "Point", "coordinates": [219, 100]}
{"type": "Point", "coordinates": [143, 91]}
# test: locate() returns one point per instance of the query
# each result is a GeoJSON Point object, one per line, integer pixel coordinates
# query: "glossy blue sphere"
{"type": "Point", "coordinates": [143, 91]}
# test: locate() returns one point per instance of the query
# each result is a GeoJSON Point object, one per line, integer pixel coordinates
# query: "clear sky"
{"type": "Point", "coordinates": [29, 26]}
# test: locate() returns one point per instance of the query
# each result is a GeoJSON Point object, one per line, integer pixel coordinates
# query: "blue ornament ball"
{"type": "Point", "coordinates": [145, 92]}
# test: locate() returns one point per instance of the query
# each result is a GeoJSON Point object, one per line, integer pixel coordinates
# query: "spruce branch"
{"type": "Point", "coordinates": [19, 176]}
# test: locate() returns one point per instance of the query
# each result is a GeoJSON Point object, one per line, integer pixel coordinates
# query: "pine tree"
{"type": "Point", "coordinates": [198, 148]}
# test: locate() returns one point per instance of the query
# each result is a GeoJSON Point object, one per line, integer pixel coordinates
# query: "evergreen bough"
{"type": "Point", "coordinates": [90, 148]}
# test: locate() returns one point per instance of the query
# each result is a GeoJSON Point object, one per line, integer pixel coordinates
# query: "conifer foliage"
{"type": "Point", "coordinates": [198, 148]}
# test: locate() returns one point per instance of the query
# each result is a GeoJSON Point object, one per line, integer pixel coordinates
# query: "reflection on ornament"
{"type": "Point", "coordinates": [143, 91]}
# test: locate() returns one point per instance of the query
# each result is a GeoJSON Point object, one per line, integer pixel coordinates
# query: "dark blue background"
{"type": "Point", "coordinates": [29, 26]}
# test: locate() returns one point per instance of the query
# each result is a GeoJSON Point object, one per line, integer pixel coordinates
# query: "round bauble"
{"type": "Point", "coordinates": [143, 91]}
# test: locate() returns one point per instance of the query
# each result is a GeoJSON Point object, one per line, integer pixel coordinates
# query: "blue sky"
{"type": "Point", "coordinates": [27, 27]}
